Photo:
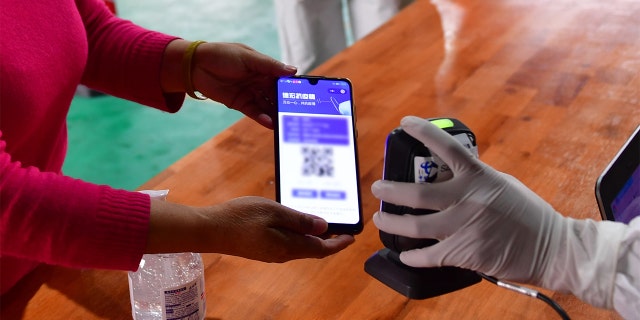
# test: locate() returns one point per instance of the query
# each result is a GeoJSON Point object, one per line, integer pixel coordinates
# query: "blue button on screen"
{"type": "Point", "coordinates": [333, 194]}
{"type": "Point", "coordinates": [304, 193]}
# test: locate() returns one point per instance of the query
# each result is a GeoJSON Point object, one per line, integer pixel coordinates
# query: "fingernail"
{"type": "Point", "coordinates": [320, 225]}
{"type": "Point", "coordinates": [291, 68]}
{"type": "Point", "coordinates": [410, 121]}
{"type": "Point", "coordinates": [264, 117]}
{"type": "Point", "coordinates": [376, 188]}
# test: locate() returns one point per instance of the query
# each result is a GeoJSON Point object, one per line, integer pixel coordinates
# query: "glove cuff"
{"type": "Point", "coordinates": [585, 261]}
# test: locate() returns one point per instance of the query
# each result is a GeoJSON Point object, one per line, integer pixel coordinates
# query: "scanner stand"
{"type": "Point", "coordinates": [417, 283]}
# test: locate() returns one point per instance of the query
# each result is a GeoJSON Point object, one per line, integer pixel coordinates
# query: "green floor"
{"type": "Point", "coordinates": [123, 144]}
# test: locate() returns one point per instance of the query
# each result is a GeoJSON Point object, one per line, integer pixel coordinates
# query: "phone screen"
{"type": "Point", "coordinates": [626, 204]}
{"type": "Point", "coordinates": [316, 153]}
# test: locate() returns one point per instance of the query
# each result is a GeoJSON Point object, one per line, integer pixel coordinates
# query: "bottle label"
{"type": "Point", "coordinates": [186, 302]}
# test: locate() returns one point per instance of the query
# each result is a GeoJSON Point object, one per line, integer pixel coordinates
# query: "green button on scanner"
{"type": "Point", "coordinates": [442, 123]}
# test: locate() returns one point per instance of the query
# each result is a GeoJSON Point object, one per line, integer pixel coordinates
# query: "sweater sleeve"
{"type": "Point", "coordinates": [125, 59]}
{"type": "Point", "coordinates": [54, 219]}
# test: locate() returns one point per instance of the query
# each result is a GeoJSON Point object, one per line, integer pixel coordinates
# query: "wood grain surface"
{"type": "Point", "coordinates": [550, 88]}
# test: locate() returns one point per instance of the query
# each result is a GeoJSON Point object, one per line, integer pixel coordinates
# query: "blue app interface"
{"type": "Point", "coordinates": [317, 160]}
{"type": "Point", "coordinates": [626, 204]}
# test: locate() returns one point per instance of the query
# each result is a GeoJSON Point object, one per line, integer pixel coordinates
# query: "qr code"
{"type": "Point", "coordinates": [317, 161]}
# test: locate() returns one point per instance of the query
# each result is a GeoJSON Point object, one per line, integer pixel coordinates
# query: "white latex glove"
{"type": "Point", "coordinates": [491, 223]}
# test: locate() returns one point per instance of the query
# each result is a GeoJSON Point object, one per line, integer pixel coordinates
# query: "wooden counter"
{"type": "Point", "coordinates": [551, 89]}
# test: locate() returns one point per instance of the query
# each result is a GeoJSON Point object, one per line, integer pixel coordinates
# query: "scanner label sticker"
{"type": "Point", "coordinates": [433, 169]}
{"type": "Point", "coordinates": [430, 169]}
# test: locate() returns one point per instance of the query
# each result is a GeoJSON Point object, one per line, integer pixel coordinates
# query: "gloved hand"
{"type": "Point", "coordinates": [490, 222]}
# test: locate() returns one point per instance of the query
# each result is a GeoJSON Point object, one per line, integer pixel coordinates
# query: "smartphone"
{"type": "Point", "coordinates": [618, 187]}
{"type": "Point", "coordinates": [316, 151]}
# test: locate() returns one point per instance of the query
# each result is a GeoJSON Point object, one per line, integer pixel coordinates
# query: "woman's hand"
{"type": "Point", "coordinates": [250, 227]}
{"type": "Point", "coordinates": [230, 73]}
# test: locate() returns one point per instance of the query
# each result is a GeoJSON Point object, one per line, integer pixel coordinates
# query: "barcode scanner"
{"type": "Point", "coordinates": [409, 160]}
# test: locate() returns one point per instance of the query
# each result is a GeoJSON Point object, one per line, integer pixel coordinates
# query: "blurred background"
{"type": "Point", "coordinates": [123, 144]}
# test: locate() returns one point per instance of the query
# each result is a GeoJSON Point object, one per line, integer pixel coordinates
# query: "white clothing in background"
{"type": "Point", "coordinates": [312, 31]}
{"type": "Point", "coordinates": [626, 292]}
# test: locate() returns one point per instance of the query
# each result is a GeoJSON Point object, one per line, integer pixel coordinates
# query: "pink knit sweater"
{"type": "Point", "coordinates": [46, 49]}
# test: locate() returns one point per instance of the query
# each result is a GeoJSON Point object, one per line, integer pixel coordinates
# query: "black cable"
{"type": "Point", "coordinates": [563, 314]}
{"type": "Point", "coordinates": [529, 292]}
